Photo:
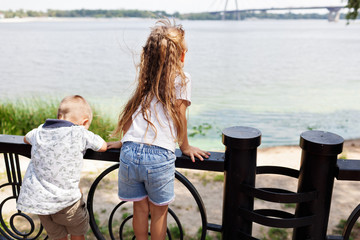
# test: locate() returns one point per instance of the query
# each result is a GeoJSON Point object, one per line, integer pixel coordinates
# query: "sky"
{"type": "Point", "coordinates": [170, 6]}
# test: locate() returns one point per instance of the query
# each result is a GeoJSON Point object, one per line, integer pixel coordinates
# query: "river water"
{"type": "Point", "coordinates": [282, 77]}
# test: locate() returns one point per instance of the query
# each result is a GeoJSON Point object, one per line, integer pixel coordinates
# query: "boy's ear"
{"type": "Point", "coordinates": [84, 122]}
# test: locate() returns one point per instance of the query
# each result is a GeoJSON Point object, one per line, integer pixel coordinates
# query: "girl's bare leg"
{"type": "Point", "coordinates": [158, 221]}
{"type": "Point", "coordinates": [140, 219]}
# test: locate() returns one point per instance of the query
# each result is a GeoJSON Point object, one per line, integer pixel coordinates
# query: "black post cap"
{"type": "Point", "coordinates": [321, 143]}
{"type": "Point", "coordinates": [241, 137]}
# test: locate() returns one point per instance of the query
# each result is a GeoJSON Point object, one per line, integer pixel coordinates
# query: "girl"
{"type": "Point", "coordinates": [153, 120]}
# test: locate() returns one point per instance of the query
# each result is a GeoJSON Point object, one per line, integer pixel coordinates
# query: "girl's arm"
{"type": "Point", "coordinates": [185, 148]}
{"type": "Point", "coordinates": [118, 144]}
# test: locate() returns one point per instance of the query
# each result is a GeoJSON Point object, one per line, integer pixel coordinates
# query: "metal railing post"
{"type": "Point", "coordinates": [317, 173]}
{"type": "Point", "coordinates": [239, 168]}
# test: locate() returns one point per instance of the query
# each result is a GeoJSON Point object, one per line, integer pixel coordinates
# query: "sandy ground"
{"type": "Point", "coordinates": [346, 194]}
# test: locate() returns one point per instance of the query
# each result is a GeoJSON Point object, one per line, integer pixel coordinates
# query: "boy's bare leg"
{"type": "Point", "coordinates": [140, 219]}
{"type": "Point", "coordinates": [158, 221]}
{"type": "Point", "coordinates": [81, 237]}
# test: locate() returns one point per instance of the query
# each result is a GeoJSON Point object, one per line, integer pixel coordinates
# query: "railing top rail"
{"type": "Point", "coordinates": [15, 144]}
{"type": "Point", "coordinates": [348, 170]}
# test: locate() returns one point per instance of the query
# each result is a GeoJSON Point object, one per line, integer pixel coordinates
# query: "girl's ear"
{"type": "Point", "coordinates": [183, 57]}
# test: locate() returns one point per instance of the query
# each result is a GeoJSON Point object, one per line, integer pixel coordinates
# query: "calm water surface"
{"type": "Point", "coordinates": [282, 77]}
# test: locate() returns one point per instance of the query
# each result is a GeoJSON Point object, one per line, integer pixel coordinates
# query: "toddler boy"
{"type": "Point", "coordinates": [50, 187]}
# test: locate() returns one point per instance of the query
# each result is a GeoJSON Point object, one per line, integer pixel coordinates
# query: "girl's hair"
{"type": "Point", "coordinates": [160, 64]}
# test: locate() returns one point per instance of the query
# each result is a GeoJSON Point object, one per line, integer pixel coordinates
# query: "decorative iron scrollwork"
{"type": "Point", "coordinates": [351, 223]}
{"type": "Point", "coordinates": [181, 178]}
{"type": "Point", "coordinates": [10, 231]}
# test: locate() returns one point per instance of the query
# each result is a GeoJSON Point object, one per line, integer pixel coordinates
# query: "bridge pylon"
{"type": "Point", "coordinates": [334, 14]}
{"type": "Point", "coordinates": [237, 10]}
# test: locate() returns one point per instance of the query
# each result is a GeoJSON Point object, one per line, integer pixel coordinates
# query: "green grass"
{"type": "Point", "coordinates": [355, 233]}
{"type": "Point", "coordinates": [276, 234]}
{"type": "Point", "coordinates": [290, 205]}
{"type": "Point", "coordinates": [21, 116]}
{"type": "Point", "coordinates": [342, 156]}
{"type": "Point", "coordinates": [174, 231]}
{"type": "Point", "coordinates": [6, 224]}
{"type": "Point", "coordinates": [219, 178]}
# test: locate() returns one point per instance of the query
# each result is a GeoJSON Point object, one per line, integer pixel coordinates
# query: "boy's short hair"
{"type": "Point", "coordinates": [74, 107]}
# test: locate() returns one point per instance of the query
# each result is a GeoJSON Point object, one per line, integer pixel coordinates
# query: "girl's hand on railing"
{"type": "Point", "coordinates": [193, 152]}
{"type": "Point", "coordinates": [111, 145]}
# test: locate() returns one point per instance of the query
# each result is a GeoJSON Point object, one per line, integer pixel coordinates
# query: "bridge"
{"type": "Point", "coordinates": [334, 11]}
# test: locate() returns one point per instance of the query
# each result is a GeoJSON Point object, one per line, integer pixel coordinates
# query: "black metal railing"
{"type": "Point", "coordinates": [319, 168]}
{"type": "Point", "coordinates": [13, 146]}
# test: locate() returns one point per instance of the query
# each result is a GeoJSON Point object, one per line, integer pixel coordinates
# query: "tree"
{"type": "Point", "coordinates": [353, 6]}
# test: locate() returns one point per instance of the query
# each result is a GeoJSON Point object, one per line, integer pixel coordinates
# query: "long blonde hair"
{"type": "Point", "coordinates": [160, 64]}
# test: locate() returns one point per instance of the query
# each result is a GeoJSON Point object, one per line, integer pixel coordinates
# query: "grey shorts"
{"type": "Point", "coordinates": [72, 220]}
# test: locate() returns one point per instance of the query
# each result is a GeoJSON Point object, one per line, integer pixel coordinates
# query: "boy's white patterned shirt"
{"type": "Point", "coordinates": [51, 181]}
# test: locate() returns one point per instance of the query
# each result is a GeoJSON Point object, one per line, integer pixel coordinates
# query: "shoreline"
{"type": "Point", "coordinates": [67, 19]}
{"type": "Point", "coordinates": [64, 19]}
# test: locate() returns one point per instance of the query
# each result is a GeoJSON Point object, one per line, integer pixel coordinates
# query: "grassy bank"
{"type": "Point", "coordinates": [19, 117]}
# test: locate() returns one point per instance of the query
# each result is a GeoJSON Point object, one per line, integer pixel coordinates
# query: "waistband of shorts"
{"type": "Point", "coordinates": [145, 148]}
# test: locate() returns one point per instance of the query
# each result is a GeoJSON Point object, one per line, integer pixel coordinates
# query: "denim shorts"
{"type": "Point", "coordinates": [146, 171]}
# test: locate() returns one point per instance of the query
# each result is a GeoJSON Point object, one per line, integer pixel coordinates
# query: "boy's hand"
{"type": "Point", "coordinates": [103, 147]}
{"type": "Point", "coordinates": [117, 144]}
{"type": "Point", "coordinates": [26, 141]}
{"type": "Point", "coordinates": [193, 152]}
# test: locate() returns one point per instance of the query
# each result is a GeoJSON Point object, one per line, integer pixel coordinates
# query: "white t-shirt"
{"type": "Point", "coordinates": [139, 130]}
{"type": "Point", "coordinates": [51, 181]}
